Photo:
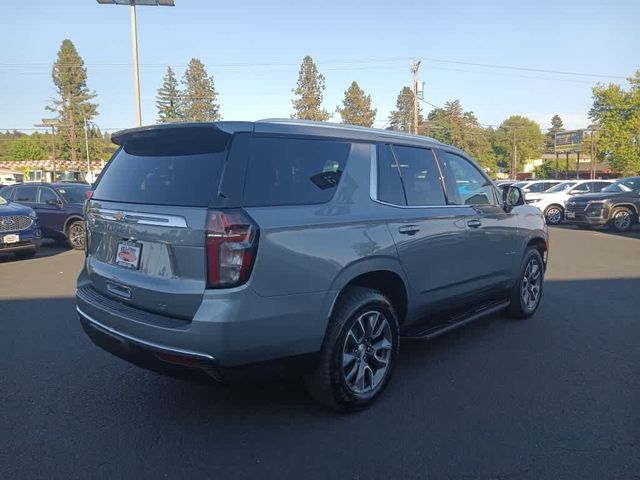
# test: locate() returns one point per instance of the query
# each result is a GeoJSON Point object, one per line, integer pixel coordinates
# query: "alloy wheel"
{"type": "Point", "coordinates": [622, 220]}
{"type": "Point", "coordinates": [76, 236]}
{"type": "Point", "coordinates": [531, 284]}
{"type": "Point", "coordinates": [366, 354]}
{"type": "Point", "coordinates": [554, 216]}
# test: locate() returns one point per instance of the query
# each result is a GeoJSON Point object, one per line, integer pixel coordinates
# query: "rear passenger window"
{"type": "Point", "coordinates": [291, 171]}
{"type": "Point", "coordinates": [465, 184]}
{"type": "Point", "coordinates": [389, 182]}
{"type": "Point", "coordinates": [25, 194]}
{"type": "Point", "coordinates": [420, 176]}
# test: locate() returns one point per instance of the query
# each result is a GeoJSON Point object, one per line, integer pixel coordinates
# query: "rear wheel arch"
{"type": "Point", "coordinates": [630, 206]}
{"type": "Point", "coordinates": [382, 274]}
{"type": "Point", "coordinates": [69, 221]}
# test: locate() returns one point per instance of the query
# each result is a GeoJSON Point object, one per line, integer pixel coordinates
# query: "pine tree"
{"type": "Point", "coordinates": [356, 108]}
{"type": "Point", "coordinates": [199, 95]}
{"type": "Point", "coordinates": [73, 105]}
{"type": "Point", "coordinates": [549, 137]}
{"type": "Point", "coordinates": [402, 117]}
{"type": "Point", "coordinates": [168, 99]}
{"type": "Point", "coordinates": [308, 105]}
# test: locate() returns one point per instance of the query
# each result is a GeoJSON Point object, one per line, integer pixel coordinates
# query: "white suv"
{"type": "Point", "coordinates": [552, 202]}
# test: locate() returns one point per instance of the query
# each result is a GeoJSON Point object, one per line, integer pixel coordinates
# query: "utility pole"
{"type": "Point", "coordinates": [555, 150]}
{"type": "Point", "coordinates": [86, 144]}
{"type": "Point", "coordinates": [514, 167]}
{"type": "Point", "coordinates": [414, 71]}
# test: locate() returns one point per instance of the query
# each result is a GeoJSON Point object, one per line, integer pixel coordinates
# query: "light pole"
{"type": "Point", "coordinates": [134, 42]}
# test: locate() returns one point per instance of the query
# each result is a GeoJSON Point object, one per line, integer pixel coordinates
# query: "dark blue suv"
{"type": "Point", "coordinates": [19, 229]}
{"type": "Point", "coordinates": [58, 206]}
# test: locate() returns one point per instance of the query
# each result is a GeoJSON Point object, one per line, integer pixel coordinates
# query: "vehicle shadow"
{"type": "Point", "coordinates": [485, 377]}
{"type": "Point", "coordinates": [48, 248]}
{"type": "Point", "coordinates": [634, 232]}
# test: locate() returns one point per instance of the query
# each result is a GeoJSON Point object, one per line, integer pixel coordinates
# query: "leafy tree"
{"type": "Point", "coordinates": [402, 117]}
{"type": "Point", "coordinates": [452, 125]}
{"type": "Point", "coordinates": [309, 93]}
{"type": "Point", "coordinates": [168, 99]}
{"type": "Point", "coordinates": [549, 137]}
{"type": "Point", "coordinates": [6, 139]}
{"type": "Point", "coordinates": [528, 139]}
{"type": "Point", "coordinates": [74, 101]}
{"type": "Point", "coordinates": [544, 171]}
{"type": "Point", "coordinates": [199, 96]}
{"type": "Point", "coordinates": [617, 112]}
{"type": "Point", "coordinates": [356, 108]}
{"type": "Point", "coordinates": [28, 147]}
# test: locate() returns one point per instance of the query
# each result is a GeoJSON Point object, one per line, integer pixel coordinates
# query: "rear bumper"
{"type": "Point", "coordinates": [158, 358]}
{"type": "Point", "coordinates": [232, 327]}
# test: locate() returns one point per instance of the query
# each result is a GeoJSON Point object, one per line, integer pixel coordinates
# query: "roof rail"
{"type": "Point", "coordinates": [343, 126]}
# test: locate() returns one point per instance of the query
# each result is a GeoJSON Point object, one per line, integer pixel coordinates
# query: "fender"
{"type": "Point", "coordinates": [357, 268]}
{"type": "Point", "coordinates": [630, 206]}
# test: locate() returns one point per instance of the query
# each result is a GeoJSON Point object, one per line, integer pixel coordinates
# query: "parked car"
{"type": "Point", "coordinates": [19, 229]}
{"type": "Point", "coordinates": [59, 207]}
{"type": "Point", "coordinates": [617, 206]}
{"type": "Point", "coordinates": [536, 186]}
{"type": "Point", "coordinates": [218, 245]}
{"type": "Point", "coordinates": [552, 202]}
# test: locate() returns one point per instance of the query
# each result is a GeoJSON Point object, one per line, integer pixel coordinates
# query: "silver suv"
{"type": "Point", "coordinates": [212, 246]}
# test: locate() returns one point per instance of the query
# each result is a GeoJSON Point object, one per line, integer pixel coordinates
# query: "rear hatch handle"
{"type": "Point", "coordinates": [119, 290]}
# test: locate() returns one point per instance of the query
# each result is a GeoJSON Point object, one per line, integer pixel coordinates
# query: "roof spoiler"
{"type": "Point", "coordinates": [150, 132]}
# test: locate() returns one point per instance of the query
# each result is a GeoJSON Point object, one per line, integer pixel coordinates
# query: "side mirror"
{"type": "Point", "coordinates": [512, 197]}
{"type": "Point", "coordinates": [53, 202]}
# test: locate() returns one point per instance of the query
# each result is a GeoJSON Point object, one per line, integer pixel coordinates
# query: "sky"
{"type": "Point", "coordinates": [254, 49]}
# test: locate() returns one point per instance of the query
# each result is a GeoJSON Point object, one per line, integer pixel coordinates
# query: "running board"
{"type": "Point", "coordinates": [456, 322]}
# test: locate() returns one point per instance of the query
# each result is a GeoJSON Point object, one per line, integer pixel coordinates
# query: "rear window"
{"type": "Point", "coordinates": [179, 168]}
{"type": "Point", "coordinates": [291, 171]}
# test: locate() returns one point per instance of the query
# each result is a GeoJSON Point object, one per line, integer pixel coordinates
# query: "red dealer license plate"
{"type": "Point", "coordinates": [128, 254]}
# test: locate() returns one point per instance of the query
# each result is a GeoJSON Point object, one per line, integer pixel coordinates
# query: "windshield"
{"type": "Point", "coordinates": [520, 184]}
{"type": "Point", "coordinates": [74, 193]}
{"type": "Point", "coordinates": [3, 201]}
{"type": "Point", "coordinates": [561, 187]}
{"type": "Point", "coordinates": [626, 185]}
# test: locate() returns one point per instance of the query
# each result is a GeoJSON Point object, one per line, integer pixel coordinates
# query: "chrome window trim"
{"type": "Point", "coordinates": [138, 218]}
{"type": "Point", "coordinates": [373, 187]}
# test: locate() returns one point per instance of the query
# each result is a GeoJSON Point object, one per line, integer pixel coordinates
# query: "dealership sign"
{"type": "Point", "coordinates": [569, 141]}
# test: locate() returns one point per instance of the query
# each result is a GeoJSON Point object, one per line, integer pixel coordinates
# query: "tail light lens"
{"type": "Point", "coordinates": [232, 240]}
{"type": "Point", "coordinates": [88, 194]}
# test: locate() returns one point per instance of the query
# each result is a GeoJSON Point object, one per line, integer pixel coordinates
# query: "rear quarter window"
{"type": "Point", "coordinates": [293, 171]}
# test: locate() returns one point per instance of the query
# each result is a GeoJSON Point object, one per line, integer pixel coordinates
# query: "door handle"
{"type": "Point", "coordinates": [409, 229]}
{"type": "Point", "coordinates": [474, 223]}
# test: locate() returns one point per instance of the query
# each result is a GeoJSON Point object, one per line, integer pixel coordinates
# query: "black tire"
{"type": "Point", "coordinates": [621, 219]}
{"type": "Point", "coordinates": [76, 235]}
{"type": "Point", "coordinates": [25, 253]}
{"type": "Point", "coordinates": [328, 382]}
{"type": "Point", "coordinates": [519, 307]}
{"type": "Point", "coordinates": [554, 214]}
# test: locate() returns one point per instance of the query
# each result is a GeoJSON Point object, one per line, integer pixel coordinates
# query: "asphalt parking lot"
{"type": "Point", "coordinates": [553, 397]}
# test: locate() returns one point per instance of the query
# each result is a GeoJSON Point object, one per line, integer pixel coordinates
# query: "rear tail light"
{"type": "Point", "coordinates": [232, 240]}
{"type": "Point", "coordinates": [88, 194]}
